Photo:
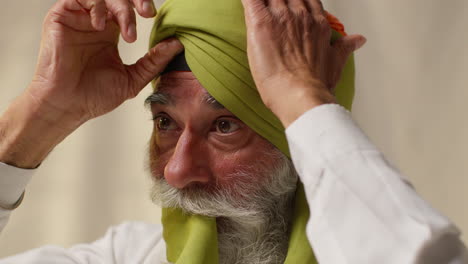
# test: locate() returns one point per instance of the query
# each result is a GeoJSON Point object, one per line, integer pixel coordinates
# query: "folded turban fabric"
{"type": "Point", "coordinates": [213, 33]}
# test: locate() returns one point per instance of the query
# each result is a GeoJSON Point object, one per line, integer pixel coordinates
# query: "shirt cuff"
{"type": "Point", "coordinates": [13, 181]}
{"type": "Point", "coordinates": [322, 133]}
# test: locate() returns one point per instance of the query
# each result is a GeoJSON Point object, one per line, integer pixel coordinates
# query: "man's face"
{"type": "Point", "coordinates": [199, 146]}
{"type": "Point", "coordinates": [196, 141]}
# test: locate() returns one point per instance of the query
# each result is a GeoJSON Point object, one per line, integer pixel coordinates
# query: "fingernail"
{"type": "Point", "coordinates": [131, 31]}
{"type": "Point", "coordinates": [149, 8]}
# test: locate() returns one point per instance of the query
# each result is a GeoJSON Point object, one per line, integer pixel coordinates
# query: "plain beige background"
{"type": "Point", "coordinates": [411, 100]}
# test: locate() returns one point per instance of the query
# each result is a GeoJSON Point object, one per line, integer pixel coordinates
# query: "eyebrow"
{"type": "Point", "coordinates": [210, 100]}
{"type": "Point", "coordinates": [159, 98]}
{"type": "Point", "coordinates": [162, 98]}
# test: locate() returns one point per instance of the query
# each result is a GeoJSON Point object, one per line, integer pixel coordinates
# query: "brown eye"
{"type": "Point", "coordinates": [164, 123]}
{"type": "Point", "coordinates": [226, 126]}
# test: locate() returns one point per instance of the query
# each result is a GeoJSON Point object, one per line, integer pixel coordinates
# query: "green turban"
{"type": "Point", "coordinates": [213, 33]}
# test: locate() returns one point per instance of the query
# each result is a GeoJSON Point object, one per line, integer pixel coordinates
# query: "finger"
{"type": "Point", "coordinates": [348, 44]}
{"type": "Point", "coordinates": [278, 6]}
{"type": "Point", "coordinates": [145, 8]}
{"type": "Point", "coordinates": [344, 47]}
{"type": "Point", "coordinates": [254, 10]}
{"type": "Point", "coordinates": [96, 9]}
{"type": "Point", "coordinates": [98, 14]}
{"type": "Point", "coordinates": [71, 5]}
{"type": "Point", "coordinates": [153, 63]}
{"type": "Point", "coordinates": [77, 15]}
{"type": "Point", "coordinates": [78, 20]}
{"type": "Point", "coordinates": [316, 8]}
{"type": "Point", "coordinates": [298, 7]}
{"type": "Point", "coordinates": [253, 4]}
{"type": "Point", "coordinates": [125, 17]}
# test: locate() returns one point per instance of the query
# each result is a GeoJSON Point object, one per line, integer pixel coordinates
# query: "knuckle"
{"type": "Point", "coordinates": [322, 23]}
{"type": "Point", "coordinates": [149, 65]}
{"type": "Point", "coordinates": [159, 50]}
{"type": "Point", "coordinates": [321, 20]}
{"type": "Point", "coordinates": [302, 13]}
{"type": "Point", "coordinates": [152, 65]}
{"type": "Point", "coordinates": [283, 15]}
{"type": "Point", "coordinates": [157, 56]}
{"type": "Point", "coordinates": [122, 11]}
{"type": "Point", "coordinates": [260, 19]}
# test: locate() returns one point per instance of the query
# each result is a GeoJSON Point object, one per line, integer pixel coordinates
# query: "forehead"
{"type": "Point", "coordinates": [181, 84]}
{"type": "Point", "coordinates": [177, 87]}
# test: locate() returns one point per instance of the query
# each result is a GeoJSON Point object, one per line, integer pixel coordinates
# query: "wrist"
{"type": "Point", "coordinates": [299, 98]}
{"type": "Point", "coordinates": [29, 130]}
{"type": "Point", "coordinates": [289, 113]}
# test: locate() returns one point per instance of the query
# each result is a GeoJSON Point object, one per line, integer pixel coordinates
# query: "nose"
{"type": "Point", "coordinates": [188, 164]}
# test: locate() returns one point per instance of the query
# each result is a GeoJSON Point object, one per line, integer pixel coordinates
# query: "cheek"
{"type": "Point", "coordinates": [252, 160]}
{"type": "Point", "coordinates": [156, 159]}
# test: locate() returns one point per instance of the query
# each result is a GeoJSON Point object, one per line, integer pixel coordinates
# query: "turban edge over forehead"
{"type": "Point", "coordinates": [214, 36]}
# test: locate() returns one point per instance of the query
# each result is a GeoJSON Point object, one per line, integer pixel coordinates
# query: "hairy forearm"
{"type": "Point", "coordinates": [30, 130]}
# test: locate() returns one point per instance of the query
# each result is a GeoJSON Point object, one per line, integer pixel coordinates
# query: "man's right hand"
{"type": "Point", "coordinates": [79, 69]}
{"type": "Point", "coordinates": [79, 75]}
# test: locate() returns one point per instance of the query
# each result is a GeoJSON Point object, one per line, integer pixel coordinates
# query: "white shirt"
{"type": "Point", "coordinates": [362, 210]}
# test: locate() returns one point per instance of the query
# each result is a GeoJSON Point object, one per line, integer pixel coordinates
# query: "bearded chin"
{"type": "Point", "coordinates": [253, 219]}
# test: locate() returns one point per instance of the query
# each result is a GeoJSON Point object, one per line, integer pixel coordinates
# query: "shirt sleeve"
{"type": "Point", "coordinates": [362, 209]}
{"type": "Point", "coordinates": [130, 242]}
{"type": "Point", "coordinates": [13, 182]}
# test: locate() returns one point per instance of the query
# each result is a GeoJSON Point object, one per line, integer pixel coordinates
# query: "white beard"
{"type": "Point", "coordinates": [253, 220]}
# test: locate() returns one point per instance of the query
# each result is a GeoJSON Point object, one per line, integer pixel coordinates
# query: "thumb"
{"type": "Point", "coordinates": [348, 44]}
{"type": "Point", "coordinates": [342, 49]}
{"type": "Point", "coordinates": [152, 64]}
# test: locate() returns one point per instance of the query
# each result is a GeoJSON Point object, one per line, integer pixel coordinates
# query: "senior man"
{"type": "Point", "coordinates": [219, 158]}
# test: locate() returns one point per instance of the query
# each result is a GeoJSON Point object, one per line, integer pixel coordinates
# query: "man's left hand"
{"type": "Point", "coordinates": [294, 66]}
